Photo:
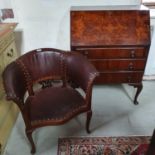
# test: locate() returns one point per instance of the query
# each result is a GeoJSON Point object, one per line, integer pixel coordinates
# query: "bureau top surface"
{"type": "Point", "coordinates": [6, 28]}
{"type": "Point", "coordinates": [112, 7]}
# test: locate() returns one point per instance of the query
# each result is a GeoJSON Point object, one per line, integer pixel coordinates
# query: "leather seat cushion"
{"type": "Point", "coordinates": [55, 103]}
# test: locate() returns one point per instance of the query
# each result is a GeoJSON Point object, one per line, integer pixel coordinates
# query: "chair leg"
{"type": "Point", "coordinates": [29, 136]}
{"type": "Point", "coordinates": [89, 115]}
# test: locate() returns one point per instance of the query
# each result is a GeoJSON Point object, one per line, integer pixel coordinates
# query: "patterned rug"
{"type": "Point", "coordinates": [103, 145]}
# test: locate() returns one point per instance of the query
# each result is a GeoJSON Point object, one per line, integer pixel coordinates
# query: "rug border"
{"type": "Point", "coordinates": [112, 137]}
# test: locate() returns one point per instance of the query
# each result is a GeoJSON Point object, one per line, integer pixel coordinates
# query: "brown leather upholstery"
{"type": "Point", "coordinates": [56, 101]}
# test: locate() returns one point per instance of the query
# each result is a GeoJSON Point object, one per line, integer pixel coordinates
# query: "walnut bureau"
{"type": "Point", "coordinates": [8, 111]}
{"type": "Point", "coordinates": [116, 39]}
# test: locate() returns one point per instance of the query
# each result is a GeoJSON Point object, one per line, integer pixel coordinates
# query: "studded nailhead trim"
{"type": "Point", "coordinates": [26, 73]}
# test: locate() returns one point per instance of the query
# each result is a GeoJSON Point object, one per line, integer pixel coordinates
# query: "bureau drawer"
{"type": "Point", "coordinates": [115, 65]}
{"type": "Point", "coordinates": [119, 77]}
{"type": "Point", "coordinates": [113, 53]}
{"type": "Point", "coordinates": [10, 54]}
{"type": "Point", "coordinates": [6, 41]}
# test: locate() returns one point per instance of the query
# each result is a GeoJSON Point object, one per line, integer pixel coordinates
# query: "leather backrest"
{"type": "Point", "coordinates": [43, 64]}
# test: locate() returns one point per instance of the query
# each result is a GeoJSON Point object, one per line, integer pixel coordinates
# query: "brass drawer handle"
{"type": "Point", "coordinates": [133, 54]}
{"type": "Point", "coordinates": [130, 66]}
{"type": "Point", "coordinates": [10, 54]}
{"type": "Point", "coordinates": [129, 79]}
{"type": "Point", "coordinates": [86, 52]}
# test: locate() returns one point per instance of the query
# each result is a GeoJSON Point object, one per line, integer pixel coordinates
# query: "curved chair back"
{"type": "Point", "coordinates": [38, 66]}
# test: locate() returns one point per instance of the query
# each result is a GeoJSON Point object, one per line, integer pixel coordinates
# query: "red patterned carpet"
{"type": "Point", "coordinates": [135, 145]}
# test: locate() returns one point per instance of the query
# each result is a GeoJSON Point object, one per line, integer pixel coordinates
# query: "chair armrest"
{"type": "Point", "coordinates": [80, 71]}
{"type": "Point", "coordinates": [14, 83]}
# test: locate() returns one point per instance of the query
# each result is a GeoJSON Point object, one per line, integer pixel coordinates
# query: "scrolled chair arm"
{"type": "Point", "coordinates": [14, 83]}
{"type": "Point", "coordinates": [80, 70]}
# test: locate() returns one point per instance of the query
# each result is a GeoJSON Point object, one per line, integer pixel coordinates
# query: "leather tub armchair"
{"type": "Point", "coordinates": [56, 101]}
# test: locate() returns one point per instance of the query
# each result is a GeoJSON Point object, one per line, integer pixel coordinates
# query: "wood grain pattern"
{"type": "Point", "coordinates": [111, 28]}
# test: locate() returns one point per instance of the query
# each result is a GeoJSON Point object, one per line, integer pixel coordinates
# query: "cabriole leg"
{"type": "Point", "coordinates": [89, 115]}
{"type": "Point", "coordinates": [29, 136]}
{"type": "Point", "coordinates": [139, 89]}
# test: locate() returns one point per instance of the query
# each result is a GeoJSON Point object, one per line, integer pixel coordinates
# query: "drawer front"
{"type": "Point", "coordinates": [124, 77]}
{"type": "Point", "coordinates": [6, 41]}
{"type": "Point", "coordinates": [116, 65]}
{"type": "Point", "coordinates": [10, 54]}
{"type": "Point", "coordinates": [113, 53]}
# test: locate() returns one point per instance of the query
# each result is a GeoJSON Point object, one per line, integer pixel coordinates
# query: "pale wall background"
{"type": "Point", "coordinates": [46, 23]}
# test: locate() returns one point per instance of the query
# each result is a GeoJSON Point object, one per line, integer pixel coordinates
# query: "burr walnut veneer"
{"type": "Point", "coordinates": [115, 39]}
